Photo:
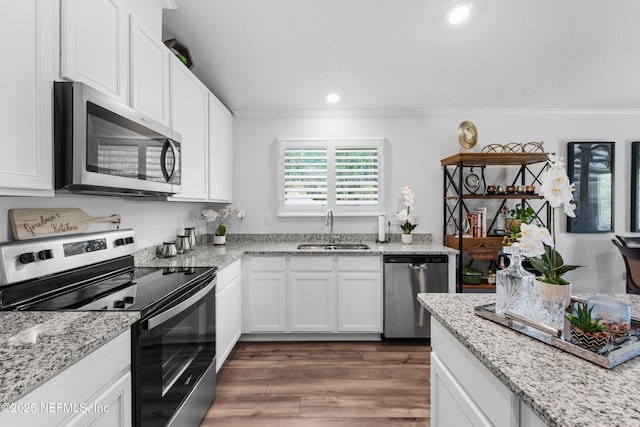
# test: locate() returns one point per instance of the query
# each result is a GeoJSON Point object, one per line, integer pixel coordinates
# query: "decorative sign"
{"type": "Point", "coordinates": [32, 223]}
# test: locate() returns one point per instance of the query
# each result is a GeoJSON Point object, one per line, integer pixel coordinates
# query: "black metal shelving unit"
{"type": "Point", "coordinates": [521, 169]}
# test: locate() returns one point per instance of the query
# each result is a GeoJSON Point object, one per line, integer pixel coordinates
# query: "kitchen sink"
{"type": "Point", "coordinates": [334, 246]}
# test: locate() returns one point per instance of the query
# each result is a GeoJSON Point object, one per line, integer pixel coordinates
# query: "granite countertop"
{"type": "Point", "coordinates": [208, 255]}
{"type": "Point", "coordinates": [562, 389]}
{"type": "Point", "coordinates": [35, 346]}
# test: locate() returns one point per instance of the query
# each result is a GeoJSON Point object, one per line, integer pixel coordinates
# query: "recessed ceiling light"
{"type": "Point", "coordinates": [459, 13]}
{"type": "Point", "coordinates": [332, 98]}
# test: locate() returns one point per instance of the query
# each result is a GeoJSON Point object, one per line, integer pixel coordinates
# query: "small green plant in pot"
{"type": "Point", "coordinates": [586, 331]}
{"type": "Point", "coordinates": [520, 214]}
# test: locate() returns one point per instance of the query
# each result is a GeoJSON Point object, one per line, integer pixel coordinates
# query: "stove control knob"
{"type": "Point", "coordinates": [118, 304]}
{"type": "Point", "coordinates": [129, 300]}
{"type": "Point", "coordinates": [128, 240]}
{"type": "Point", "coordinates": [119, 242]}
{"type": "Point", "coordinates": [45, 254]}
{"type": "Point", "coordinates": [27, 257]}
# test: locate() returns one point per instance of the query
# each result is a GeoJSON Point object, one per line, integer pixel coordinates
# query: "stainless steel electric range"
{"type": "Point", "coordinates": [173, 360]}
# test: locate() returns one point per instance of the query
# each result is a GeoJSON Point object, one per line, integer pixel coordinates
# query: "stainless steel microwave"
{"type": "Point", "coordinates": [102, 146]}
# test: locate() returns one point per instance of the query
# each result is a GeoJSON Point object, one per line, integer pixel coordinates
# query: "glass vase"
{"type": "Point", "coordinates": [513, 283]}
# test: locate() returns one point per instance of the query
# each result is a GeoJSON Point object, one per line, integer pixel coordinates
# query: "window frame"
{"type": "Point", "coordinates": [330, 144]}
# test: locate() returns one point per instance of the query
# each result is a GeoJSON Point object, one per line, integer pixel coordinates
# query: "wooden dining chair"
{"type": "Point", "coordinates": [631, 256]}
{"type": "Point", "coordinates": [629, 240]}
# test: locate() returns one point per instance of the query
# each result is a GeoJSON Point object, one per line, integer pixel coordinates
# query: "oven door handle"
{"type": "Point", "coordinates": [177, 309]}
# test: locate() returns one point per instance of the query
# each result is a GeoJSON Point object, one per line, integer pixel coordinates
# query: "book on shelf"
{"type": "Point", "coordinates": [477, 221]}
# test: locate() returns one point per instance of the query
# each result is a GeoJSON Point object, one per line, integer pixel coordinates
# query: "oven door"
{"type": "Point", "coordinates": [176, 349]}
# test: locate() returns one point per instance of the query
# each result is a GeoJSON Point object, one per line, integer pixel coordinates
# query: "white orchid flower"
{"type": "Point", "coordinates": [241, 215]}
{"type": "Point", "coordinates": [533, 238]}
{"type": "Point", "coordinates": [403, 216]}
{"type": "Point", "coordinates": [209, 215]}
{"type": "Point", "coordinates": [569, 209]}
{"type": "Point", "coordinates": [556, 187]}
{"type": "Point", "coordinates": [409, 197]}
{"type": "Point", "coordinates": [555, 161]}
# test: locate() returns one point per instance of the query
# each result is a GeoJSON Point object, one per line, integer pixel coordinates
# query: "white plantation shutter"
{"type": "Point", "coordinates": [305, 176]}
{"type": "Point", "coordinates": [356, 176]}
{"type": "Point", "coordinates": [342, 175]}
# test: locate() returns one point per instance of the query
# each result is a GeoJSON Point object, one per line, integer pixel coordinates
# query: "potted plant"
{"type": "Point", "coordinates": [586, 331]}
{"type": "Point", "coordinates": [520, 214]}
{"type": "Point", "coordinates": [541, 242]}
{"type": "Point", "coordinates": [405, 217]}
{"type": "Point", "coordinates": [220, 217]}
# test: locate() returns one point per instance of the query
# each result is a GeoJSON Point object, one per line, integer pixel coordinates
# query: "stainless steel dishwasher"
{"type": "Point", "coordinates": [405, 276]}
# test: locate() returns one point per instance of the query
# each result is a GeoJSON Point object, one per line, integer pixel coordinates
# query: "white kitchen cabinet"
{"type": "Point", "coordinates": [465, 393]}
{"type": "Point", "coordinates": [359, 302]}
{"type": "Point", "coordinates": [453, 406]}
{"type": "Point", "coordinates": [359, 294]}
{"type": "Point", "coordinates": [30, 33]}
{"type": "Point", "coordinates": [220, 151]}
{"type": "Point", "coordinates": [264, 299]}
{"type": "Point", "coordinates": [312, 294]}
{"type": "Point", "coordinates": [96, 391]}
{"type": "Point", "coordinates": [312, 302]}
{"type": "Point", "coordinates": [189, 117]}
{"type": "Point", "coordinates": [228, 311]}
{"type": "Point", "coordinates": [149, 73]}
{"type": "Point", "coordinates": [95, 45]}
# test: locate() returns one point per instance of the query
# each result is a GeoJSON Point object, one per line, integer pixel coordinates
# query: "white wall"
{"type": "Point", "coordinates": [415, 147]}
{"type": "Point", "coordinates": [153, 221]}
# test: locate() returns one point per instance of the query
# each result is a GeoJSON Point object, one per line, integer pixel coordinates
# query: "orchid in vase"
{"type": "Point", "coordinates": [539, 241]}
{"type": "Point", "coordinates": [221, 216]}
{"type": "Point", "coordinates": [404, 216]}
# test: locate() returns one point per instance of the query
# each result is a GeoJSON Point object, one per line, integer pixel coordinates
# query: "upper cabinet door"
{"type": "Point", "coordinates": [189, 117]}
{"type": "Point", "coordinates": [149, 74]}
{"type": "Point", "coordinates": [95, 45]}
{"type": "Point", "coordinates": [220, 151]}
{"type": "Point", "coordinates": [26, 80]}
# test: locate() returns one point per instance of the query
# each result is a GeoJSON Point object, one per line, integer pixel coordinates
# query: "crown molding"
{"type": "Point", "coordinates": [422, 113]}
{"type": "Point", "coordinates": [329, 113]}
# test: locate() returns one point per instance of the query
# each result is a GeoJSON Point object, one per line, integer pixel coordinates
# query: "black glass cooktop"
{"type": "Point", "coordinates": [132, 289]}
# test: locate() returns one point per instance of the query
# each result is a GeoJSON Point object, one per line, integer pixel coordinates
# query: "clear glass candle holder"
{"type": "Point", "coordinates": [614, 315]}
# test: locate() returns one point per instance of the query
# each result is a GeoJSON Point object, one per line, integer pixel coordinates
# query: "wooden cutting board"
{"type": "Point", "coordinates": [32, 223]}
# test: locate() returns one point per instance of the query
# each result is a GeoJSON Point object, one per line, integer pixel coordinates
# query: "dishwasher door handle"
{"type": "Point", "coordinates": [421, 266]}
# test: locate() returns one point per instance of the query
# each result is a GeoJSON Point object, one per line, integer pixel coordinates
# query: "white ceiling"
{"type": "Point", "coordinates": [400, 54]}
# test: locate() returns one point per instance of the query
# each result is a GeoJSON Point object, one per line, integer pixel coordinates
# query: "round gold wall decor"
{"type": "Point", "coordinates": [467, 135]}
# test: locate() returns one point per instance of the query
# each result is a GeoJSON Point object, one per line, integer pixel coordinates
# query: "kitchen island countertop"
{"type": "Point", "coordinates": [562, 389]}
{"type": "Point", "coordinates": [36, 345]}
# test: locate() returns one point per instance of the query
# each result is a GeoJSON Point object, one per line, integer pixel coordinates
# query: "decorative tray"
{"type": "Point", "coordinates": [607, 357]}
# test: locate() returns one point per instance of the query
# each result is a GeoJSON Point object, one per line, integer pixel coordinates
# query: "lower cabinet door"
{"type": "Point", "coordinates": [266, 302]}
{"type": "Point", "coordinates": [312, 302]}
{"type": "Point", "coordinates": [228, 320]}
{"type": "Point", "coordinates": [111, 409]}
{"type": "Point", "coordinates": [359, 302]}
{"type": "Point", "coordinates": [450, 403]}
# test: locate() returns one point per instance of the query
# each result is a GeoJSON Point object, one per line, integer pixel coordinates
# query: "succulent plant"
{"type": "Point", "coordinates": [582, 319]}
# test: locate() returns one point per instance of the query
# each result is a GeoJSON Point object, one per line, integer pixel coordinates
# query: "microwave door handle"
{"type": "Point", "coordinates": [180, 308]}
{"type": "Point", "coordinates": [168, 145]}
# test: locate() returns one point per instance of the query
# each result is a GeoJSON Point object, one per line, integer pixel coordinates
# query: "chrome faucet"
{"type": "Point", "coordinates": [330, 224]}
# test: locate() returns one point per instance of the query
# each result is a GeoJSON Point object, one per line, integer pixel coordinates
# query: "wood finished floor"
{"type": "Point", "coordinates": [323, 384]}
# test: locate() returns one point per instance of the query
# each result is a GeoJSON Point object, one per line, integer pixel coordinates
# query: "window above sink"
{"type": "Point", "coordinates": [344, 175]}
